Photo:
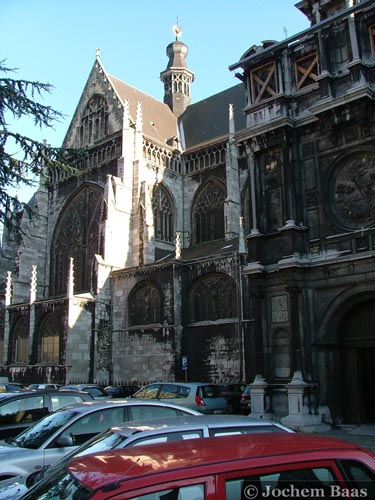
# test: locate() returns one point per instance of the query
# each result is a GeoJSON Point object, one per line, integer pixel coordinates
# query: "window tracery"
{"type": "Point", "coordinates": [94, 121]}
{"type": "Point", "coordinates": [76, 236]}
{"type": "Point", "coordinates": [163, 214]}
{"type": "Point", "coordinates": [145, 305]}
{"type": "Point", "coordinates": [208, 213]}
{"type": "Point", "coordinates": [213, 297]}
{"type": "Point", "coordinates": [49, 346]}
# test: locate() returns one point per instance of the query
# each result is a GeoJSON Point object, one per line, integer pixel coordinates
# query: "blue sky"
{"type": "Point", "coordinates": [55, 41]}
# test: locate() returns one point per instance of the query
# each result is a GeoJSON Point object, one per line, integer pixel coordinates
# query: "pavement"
{"type": "Point", "coordinates": [363, 435]}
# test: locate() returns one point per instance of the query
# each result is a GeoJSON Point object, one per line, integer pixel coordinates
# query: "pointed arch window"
{"type": "Point", "coordinates": [49, 346]}
{"type": "Point", "coordinates": [94, 121]}
{"type": "Point", "coordinates": [77, 236]}
{"type": "Point", "coordinates": [145, 305]}
{"type": "Point", "coordinates": [162, 208]}
{"type": "Point", "coordinates": [208, 212]}
{"type": "Point", "coordinates": [213, 297]}
{"type": "Point", "coordinates": [21, 342]}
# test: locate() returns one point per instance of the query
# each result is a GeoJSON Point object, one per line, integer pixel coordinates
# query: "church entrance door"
{"type": "Point", "coordinates": [357, 340]}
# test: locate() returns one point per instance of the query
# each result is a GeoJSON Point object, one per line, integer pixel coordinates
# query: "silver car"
{"type": "Point", "coordinates": [64, 430]}
{"type": "Point", "coordinates": [145, 432]}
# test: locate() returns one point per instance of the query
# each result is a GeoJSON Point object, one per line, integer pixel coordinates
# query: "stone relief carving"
{"type": "Point", "coordinates": [354, 190]}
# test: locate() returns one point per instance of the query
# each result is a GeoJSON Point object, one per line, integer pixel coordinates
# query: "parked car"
{"type": "Point", "coordinates": [20, 410]}
{"type": "Point", "coordinates": [245, 403]}
{"type": "Point", "coordinates": [120, 391]}
{"type": "Point", "coordinates": [35, 387]}
{"type": "Point", "coordinates": [252, 466]}
{"type": "Point", "coordinates": [59, 433]}
{"type": "Point", "coordinates": [232, 393]}
{"type": "Point", "coordinates": [145, 432]}
{"type": "Point", "coordinates": [203, 397]}
{"type": "Point", "coordinates": [12, 387]}
{"type": "Point", "coordinates": [96, 391]}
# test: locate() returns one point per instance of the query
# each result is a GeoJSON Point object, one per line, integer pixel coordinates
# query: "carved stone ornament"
{"type": "Point", "coordinates": [354, 190]}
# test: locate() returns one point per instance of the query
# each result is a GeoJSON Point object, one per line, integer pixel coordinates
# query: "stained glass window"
{"type": "Point", "coordinates": [163, 214]}
{"type": "Point", "coordinates": [213, 297]}
{"type": "Point", "coordinates": [49, 348]}
{"type": "Point", "coordinates": [94, 121]}
{"type": "Point", "coordinates": [145, 305]}
{"type": "Point", "coordinates": [21, 342]}
{"type": "Point", "coordinates": [76, 235]}
{"type": "Point", "coordinates": [208, 213]}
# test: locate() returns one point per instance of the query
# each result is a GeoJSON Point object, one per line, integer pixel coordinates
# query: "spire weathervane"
{"type": "Point", "coordinates": [177, 29]}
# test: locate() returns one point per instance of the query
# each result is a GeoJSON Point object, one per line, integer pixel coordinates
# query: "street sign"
{"type": "Point", "coordinates": [184, 361]}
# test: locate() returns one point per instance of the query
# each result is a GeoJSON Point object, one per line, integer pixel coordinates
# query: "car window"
{"type": "Point", "coordinates": [36, 435]}
{"type": "Point", "coordinates": [310, 483]}
{"type": "Point", "coordinates": [60, 400]}
{"type": "Point", "coordinates": [194, 492]}
{"type": "Point", "coordinates": [225, 431]}
{"type": "Point", "coordinates": [210, 391]}
{"type": "Point", "coordinates": [361, 478]}
{"type": "Point", "coordinates": [167, 437]}
{"type": "Point", "coordinates": [95, 391]}
{"type": "Point", "coordinates": [173, 391]}
{"type": "Point", "coordinates": [142, 412]}
{"type": "Point", "coordinates": [148, 392]}
{"type": "Point", "coordinates": [23, 410]}
{"type": "Point", "coordinates": [87, 426]}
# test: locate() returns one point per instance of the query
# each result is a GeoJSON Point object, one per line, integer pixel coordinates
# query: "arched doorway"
{"type": "Point", "coordinates": [357, 342]}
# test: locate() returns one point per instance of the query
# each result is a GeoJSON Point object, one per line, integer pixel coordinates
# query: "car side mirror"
{"type": "Point", "coordinates": [63, 441]}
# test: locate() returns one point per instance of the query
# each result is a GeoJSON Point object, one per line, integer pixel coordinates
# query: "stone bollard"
{"type": "Point", "coordinates": [298, 417]}
{"type": "Point", "coordinates": [258, 388]}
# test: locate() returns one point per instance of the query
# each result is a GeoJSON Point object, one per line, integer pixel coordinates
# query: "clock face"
{"type": "Point", "coordinates": [354, 190]}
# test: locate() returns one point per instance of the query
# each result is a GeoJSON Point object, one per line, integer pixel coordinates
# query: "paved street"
{"type": "Point", "coordinates": [364, 435]}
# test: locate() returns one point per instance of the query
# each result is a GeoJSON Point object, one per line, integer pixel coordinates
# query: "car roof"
{"type": "Point", "coordinates": [193, 421]}
{"type": "Point", "coordinates": [184, 384]}
{"type": "Point", "coordinates": [81, 385]}
{"type": "Point", "coordinates": [99, 404]}
{"type": "Point", "coordinates": [145, 461]}
{"type": "Point", "coordinates": [33, 393]}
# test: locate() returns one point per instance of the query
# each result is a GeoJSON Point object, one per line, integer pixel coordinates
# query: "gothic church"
{"type": "Point", "coordinates": [230, 239]}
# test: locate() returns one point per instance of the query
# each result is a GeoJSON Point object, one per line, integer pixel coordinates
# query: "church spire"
{"type": "Point", "coordinates": [177, 78]}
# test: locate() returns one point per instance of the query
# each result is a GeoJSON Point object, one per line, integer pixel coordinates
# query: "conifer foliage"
{"type": "Point", "coordinates": [23, 159]}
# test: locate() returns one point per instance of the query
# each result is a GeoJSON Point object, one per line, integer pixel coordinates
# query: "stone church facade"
{"type": "Point", "coordinates": [235, 233]}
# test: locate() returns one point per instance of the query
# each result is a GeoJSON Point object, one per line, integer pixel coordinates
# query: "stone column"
{"type": "Point", "coordinates": [257, 394]}
{"type": "Point", "coordinates": [251, 163]}
{"type": "Point", "coordinates": [298, 418]}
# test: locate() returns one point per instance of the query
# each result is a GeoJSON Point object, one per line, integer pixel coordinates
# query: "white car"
{"type": "Point", "coordinates": [146, 432]}
{"type": "Point", "coordinates": [52, 437]}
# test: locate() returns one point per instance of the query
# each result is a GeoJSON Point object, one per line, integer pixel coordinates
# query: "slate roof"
{"type": "Point", "coordinates": [208, 120]}
{"type": "Point", "coordinates": [158, 120]}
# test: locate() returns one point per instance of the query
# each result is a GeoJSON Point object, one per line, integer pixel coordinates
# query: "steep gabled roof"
{"type": "Point", "coordinates": [158, 120]}
{"type": "Point", "coordinates": [208, 120]}
{"type": "Point", "coordinates": [159, 123]}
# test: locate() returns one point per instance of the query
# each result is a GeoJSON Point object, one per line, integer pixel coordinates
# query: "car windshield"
{"type": "Point", "coordinates": [34, 436]}
{"type": "Point", "coordinates": [107, 440]}
{"type": "Point", "coordinates": [61, 485]}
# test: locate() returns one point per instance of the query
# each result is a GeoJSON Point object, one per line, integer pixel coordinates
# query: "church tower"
{"type": "Point", "coordinates": [177, 78]}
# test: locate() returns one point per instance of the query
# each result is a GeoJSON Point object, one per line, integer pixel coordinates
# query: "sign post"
{"type": "Point", "coordinates": [184, 363]}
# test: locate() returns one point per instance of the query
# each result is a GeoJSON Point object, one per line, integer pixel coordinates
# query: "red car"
{"type": "Point", "coordinates": [252, 466]}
